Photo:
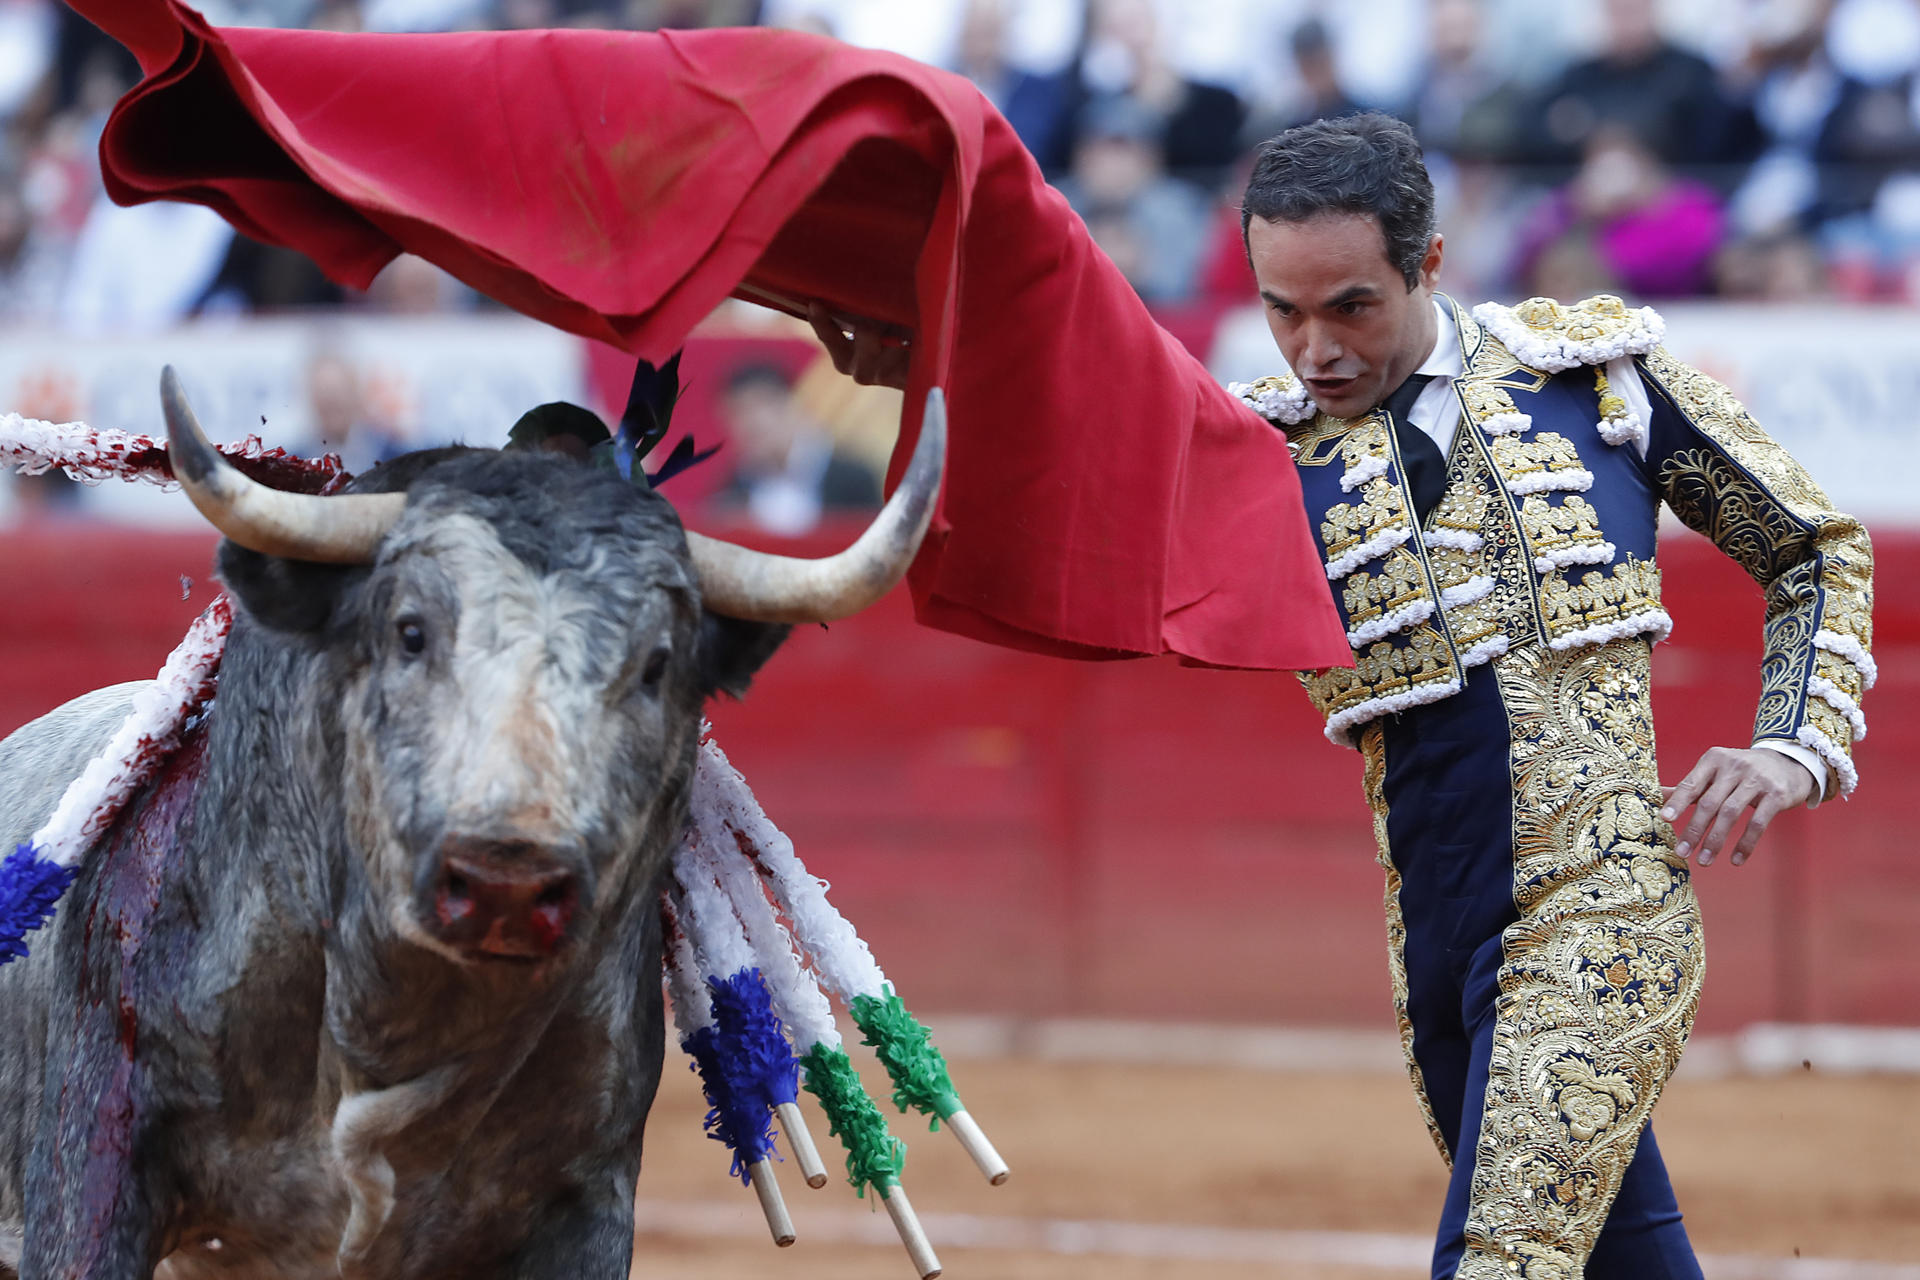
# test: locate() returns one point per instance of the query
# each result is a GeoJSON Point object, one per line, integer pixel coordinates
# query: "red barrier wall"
{"type": "Point", "coordinates": [1020, 835]}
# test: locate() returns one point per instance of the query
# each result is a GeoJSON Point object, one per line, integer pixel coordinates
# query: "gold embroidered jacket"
{"type": "Point", "coordinates": [1547, 527]}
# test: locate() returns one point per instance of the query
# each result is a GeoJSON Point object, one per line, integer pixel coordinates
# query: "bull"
{"type": "Point", "coordinates": [366, 983]}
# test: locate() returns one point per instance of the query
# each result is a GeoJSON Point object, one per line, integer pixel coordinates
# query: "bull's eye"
{"type": "Point", "coordinates": [656, 667]}
{"type": "Point", "coordinates": [413, 636]}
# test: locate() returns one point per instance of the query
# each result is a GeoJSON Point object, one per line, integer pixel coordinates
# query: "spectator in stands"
{"type": "Point", "coordinates": [1312, 53]}
{"type": "Point", "coordinates": [1151, 224]}
{"type": "Point", "coordinates": [787, 470]}
{"type": "Point", "coordinates": [1870, 149]}
{"type": "Point", "coordinates": [1642, 82]}
{"type": "Point", "coordinates": [142, 268]}
{"type": "Point", "coordinates": [1781, 267]}
{"type": "Point", "coordinates": [1035, 105]}
{"type": "Point", "coordinates": [1197, 125]}
{"type": "Point", "coordinates": [341, 416]}
{"type": "Point", "coordinates": [1793, 88]}
{"type": "Point", "coordinates": [1464, 107]}
{"type": "Point", "coordinates": [1651, 233]}
{"type": "Point", "coordinates": [410, 285]}
{"type": "Point", "coordinates": [31, 264]}
{"type": "Point", "coordinates": [924, 29]}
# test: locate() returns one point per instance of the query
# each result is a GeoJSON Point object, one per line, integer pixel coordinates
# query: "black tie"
{"type": "Point", "coordinates": [1426, 468]}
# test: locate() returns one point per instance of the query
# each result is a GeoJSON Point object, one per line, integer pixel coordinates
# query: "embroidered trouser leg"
{"type": "Point", "coordinates": [1643, 1237]}
{"type": "Point", "coordinates": [1517, 823]}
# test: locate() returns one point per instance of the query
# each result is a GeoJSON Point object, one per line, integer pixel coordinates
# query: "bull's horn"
{"type": "Point", "coordinates": [768, 588]}
{"type": "Point", "coordinates": [339, 530]}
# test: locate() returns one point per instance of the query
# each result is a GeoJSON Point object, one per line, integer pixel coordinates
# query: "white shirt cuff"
{"type": "Point", "coordinates": [1814, 765]}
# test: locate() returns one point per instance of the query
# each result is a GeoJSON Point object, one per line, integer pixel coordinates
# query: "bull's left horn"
{"type": "Point", "coordinates": [768, 588]}
{"type": "Point", "coordinates": [300, 526]}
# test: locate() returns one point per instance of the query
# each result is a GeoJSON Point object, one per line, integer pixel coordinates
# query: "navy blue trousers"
{"type": "Point", "coordinates": [1450, 835]}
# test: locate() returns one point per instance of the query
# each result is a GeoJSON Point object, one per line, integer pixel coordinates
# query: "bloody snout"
{"type": "Point", "coordinates": [501, 897]}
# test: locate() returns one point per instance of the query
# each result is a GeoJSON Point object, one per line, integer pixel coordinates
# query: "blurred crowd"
{"type": "Point", "coordinates": [1751, 149]}
{"type": "Point", "coordinates": [1739, 149]}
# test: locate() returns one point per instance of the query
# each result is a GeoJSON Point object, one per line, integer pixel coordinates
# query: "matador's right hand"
{"type": "Point", "coordinates": [871, 353]}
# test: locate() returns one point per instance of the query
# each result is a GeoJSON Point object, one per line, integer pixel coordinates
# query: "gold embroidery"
{"type": "Point", "coordinates": [1315, 448]}
{"type": "Point", "coordinates": [1843, 675]}
{"type": "Point", "coordinates": [1364, 446]}
{"type": "Point", "coordinates": [1593, 320]}
{"type": "Point", "coordinates": [1373, 750]}
{"type": "Point", "coordinates": [1544, 451]}
{"type": "Point", "coordinates": [1400, 582]}
{"type": "Point", "coordinates": [1381, 505]}
{"type": "Point", "coordinates": [1761, 508]}
{"type": "Point", "coordinates": [1382, 670]}
{"type": "Point", "coordinates": [1348, 524]}
{"type": "Point", "coordinates": [1599, 977]}
{"type": "Point", "coordinates": [1560, 526]}
{"type": "Point", "coordinates": [1512, 609]}
{"type": "Point", "coordinates": [1625, 590]}
{"type": "Point", "coordinates": [1485, 398]}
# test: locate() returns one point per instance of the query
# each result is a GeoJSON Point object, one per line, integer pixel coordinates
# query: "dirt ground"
{"type": "Point", "coordinates": [1204, 1172]}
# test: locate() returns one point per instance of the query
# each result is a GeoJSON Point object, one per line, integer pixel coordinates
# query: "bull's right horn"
{"type": "Point", "coordinates": [345, 529]}
{"type": "Point", "coordinates": [760, 587]}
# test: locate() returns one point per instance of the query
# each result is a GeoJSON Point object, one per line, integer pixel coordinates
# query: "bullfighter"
{"type": "Point", "coordinates": [1486, 487]}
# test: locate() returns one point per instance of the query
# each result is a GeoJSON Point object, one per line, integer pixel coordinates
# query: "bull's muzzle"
{"type": "Point", "coordinates": [510, 899]}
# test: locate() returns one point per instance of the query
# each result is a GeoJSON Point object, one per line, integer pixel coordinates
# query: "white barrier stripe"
{"type": "Point", "coordinates": [1171, 1242]}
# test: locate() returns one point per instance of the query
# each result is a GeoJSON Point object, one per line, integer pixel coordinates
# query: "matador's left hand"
{"type": "Point", "coordinates": [1731, 783]}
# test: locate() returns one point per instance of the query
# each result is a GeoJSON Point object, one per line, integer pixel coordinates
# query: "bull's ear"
{"type": "Point", "coordinates": [732, 650]}
{"type": "Point", "coordinates": [286, 595]}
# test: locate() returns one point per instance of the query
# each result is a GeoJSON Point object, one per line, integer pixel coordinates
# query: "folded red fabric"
{"type": "Point", "coordinates": [1105, 497]}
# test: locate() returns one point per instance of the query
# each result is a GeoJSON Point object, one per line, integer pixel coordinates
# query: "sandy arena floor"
{"type": "Point", "coordinates": [1131, 1172]}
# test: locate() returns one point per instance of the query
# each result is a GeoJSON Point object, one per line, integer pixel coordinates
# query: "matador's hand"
{"type": "Point", "coordinates": [871, 353]}
{"type": "Point", "coordinates": [1730, 784]}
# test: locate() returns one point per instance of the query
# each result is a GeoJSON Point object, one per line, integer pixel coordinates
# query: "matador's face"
{"type": "Point", "coordinates": [1339, 309]}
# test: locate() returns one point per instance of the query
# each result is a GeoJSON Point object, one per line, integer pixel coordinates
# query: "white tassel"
{"type": "Point", "coordinates": [1281, 399]}
{"type": "Point", "coordinates": [1464, 593]}
{"type": "Point", "coordinates": [1551, 352]}
{"type": "Point", "coordinates": [1340, 722]}
{"type": "Point", "coordinates": [719, 944]}
{"type": "Point", "coordinates": [1579, 553]}
{"type": "Point", "coordinates": [839, 955]}
{"type": "Point", "coordinates": [33, 447]}
{"type": "Point", "coordinates": [1372, 549]}
{"type": "Point", "coordinates": [796, 997]}
{"type": "Point", "coordinates": [1837, 698]}
{"type": "Point", "coordinates": [1507, 424]}
{"type": "Point", "coordinates": [1654, 623]}
{"type": "Point", "coordinates": [145, 738]}
{"type": "Point", "coordinates": [1570, 480]}
{"type": "Point", "coordinates": [1486, 651]}
{"type": "Point", "coordinates": [1359, 473]}
{"type": "Point", "coordinates": [1453, 540]}
{"type": "Point", "coordinates": [1852, 650]}
{"type": "Point", "coordinates": [692, 1006]}
{"type": "Point", "coordinates": [1625, 428]}
{"type": "Point", "coordinates": [1837, 760]}
{"type": "Point", "coordinates": [1408, 615]}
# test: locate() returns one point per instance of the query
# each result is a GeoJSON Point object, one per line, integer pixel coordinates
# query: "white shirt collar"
{"type": "Point", "coordinates": [1444, 360]}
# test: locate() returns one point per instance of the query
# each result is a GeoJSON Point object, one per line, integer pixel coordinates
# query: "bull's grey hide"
{"type": "Point", "coordinates": [378, 995]}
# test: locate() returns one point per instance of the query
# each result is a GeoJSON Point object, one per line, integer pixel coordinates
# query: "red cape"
{"type": "Point", "coordinates": [1105, 497]}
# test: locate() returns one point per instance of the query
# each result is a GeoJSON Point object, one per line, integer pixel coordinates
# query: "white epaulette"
{"type": "Point", "coordinates": [1281, 398]}
{"type": "Point", "coordinates": [1546, 335]}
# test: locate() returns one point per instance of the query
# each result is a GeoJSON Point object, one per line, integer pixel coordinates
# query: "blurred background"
{"type": "Point", "coordinates": [1132, 897]}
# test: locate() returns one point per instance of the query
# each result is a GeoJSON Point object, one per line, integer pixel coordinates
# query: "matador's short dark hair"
{"type": "Point", "coordinates": [1368, 163]}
